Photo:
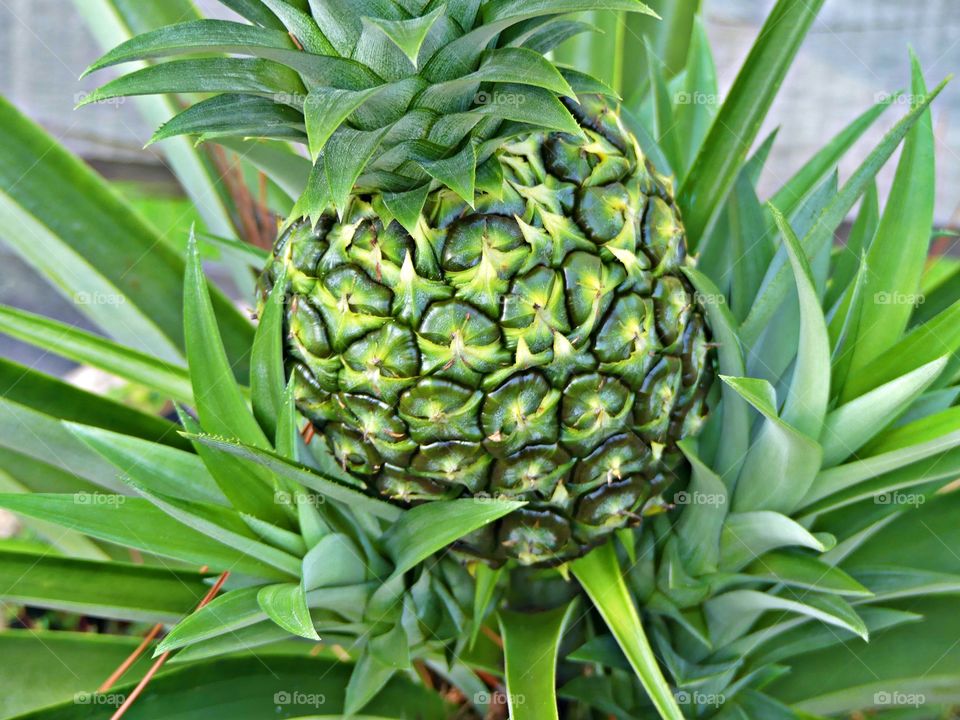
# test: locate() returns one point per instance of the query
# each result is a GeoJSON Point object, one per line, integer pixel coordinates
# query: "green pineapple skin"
{"type": "Point", "coordinates": [543, 345]}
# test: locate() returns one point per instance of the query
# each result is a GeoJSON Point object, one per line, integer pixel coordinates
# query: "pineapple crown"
{"type": "Point", "coordinates": [390, 96]}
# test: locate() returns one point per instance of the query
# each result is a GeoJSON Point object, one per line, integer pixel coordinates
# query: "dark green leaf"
{"type": "Point", "coordinates": [101, 589]}
{"type": "Point", "coordinates": [531, 643]}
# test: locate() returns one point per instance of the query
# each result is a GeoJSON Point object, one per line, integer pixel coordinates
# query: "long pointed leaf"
{"type": "Point", "coordinates": [599, 574]}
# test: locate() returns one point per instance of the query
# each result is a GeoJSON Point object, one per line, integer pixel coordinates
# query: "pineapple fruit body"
{"type": "Point", "coordinates": [542, 344]}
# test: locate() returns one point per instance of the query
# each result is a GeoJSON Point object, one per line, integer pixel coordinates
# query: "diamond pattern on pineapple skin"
{"type": "Point", "coordinates": [542, 345]}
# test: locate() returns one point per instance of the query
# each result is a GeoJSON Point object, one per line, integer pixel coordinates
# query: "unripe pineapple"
{"type": "Point", "coordinates": [542, 344]}
{"type": "Point", "coordinates": [485, 284]}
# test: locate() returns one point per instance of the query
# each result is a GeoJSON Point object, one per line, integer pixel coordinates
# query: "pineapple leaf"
{"type": "Point", "coordinates": [138, 593]}
{"type": "Point", "coordinates": [806, 404]}
{"type": "Point", "coordinates": [249, 488]}
{"type": "Point", "coordinates": [232, 75]}
{"type": "Point", "coordinates": [234, 115]}
{"type": "Point", "coordinates": [791, 195]}
{"type": "Point", "coordinates": [531, 643]}
{"type": "Point", "coordinates": [138, 524]}
{"type": "Point", "coordinates": [740, 118]}
{"type": "Point", "coordinates": [168, 378]}
{"type": "Point", "coordinates": [21, 476]}
{"type": "Point", "coordinates": [33, 682]}
{"type": "Point", "coordinates": [696, 108]}
{"type": "Point", "coordinates": [407, 206]}
{"type": "Point", "coordinates": [583, 84]}
{"type": "Point", "coordinates": [750, 535]}
{"type": "Point", "coordinates": [665, 124]}
{"type": "Point", "coordinates": [268, 381]}
{"type": "Point", "coordinates": [700, 526]}
{"type": "Point", "coordinates": [925, 474]}
{"type": "Point", "coordinates": [286, 540]}
{"type": "Point", "coordinates": [895, 583]}
{"type": "Point", "coordinates": [850, 258]}
{"type": "Point", "coordinates": [897, 255]}
{"type": "Point", "coordinates": [458, 172]}
{"type": "Point", "coordinates": [316, 198]}
{"type": "Point", "coordinates": [851, 425]}
{"type": "Point", "coordinates": [497, 10]}
{"type": "Point", "coordinates": [392, 648]}
{"type": "Point", "coordinates": [223, 525]}
{"type": "Point", "coordinates": [54, 214]}
{"type": "Point", "coordinates": [301, 26]}
{"type": "Point", "coordinates": [599, 574]}
{"type": "Point", "coordinates": [844, 327]}
{"type": "Point", "coordinates": [409, 35]}
{"type": "Point", "coordinates": [800, 637]}
{"type": "Point", "coordinates": [924, 344]}
{"type": "Point", "coordinates": [333, 489]}
{"type": "Point", "coordinates": [529, 104]}
{"type": "Point", "coordinates": [286, 605]}
{"type": "Point", "coordinates": [735, 411]}
{"type": "Point", "coordinates": [426, 529]}
{"type": "Point", "coordinates": [550, 35]}
{"type": "Point", "coordinates": [244, 640]}
{"type": "Point", "coordinates": [781, 463]}
{"type": "Point", "coordinates": [214, 690]}
{"type": "Point", "coordinates": [254, 11]}
{"type": "Point", "coordinates": [226, 613]}
{"type": "Point", "coordinates": [31, 434]}
{"type": "Point", "coordinates": [369, 675]}
{"type": "Point", "coordinates": [915, 659]}
{"type": "Point", "coordinates": [484, 591]}
{"type": "Point", "coordinates": [348, 152]}
{"type": "Point", "coordinates": [776, 284]}
{"type": "Point", "coordinates": [522, 66]}
{"type": "Point", "coordinates": [805, 572]}
{"type": "Point", "coordinates": [219, 400]}
{"type": "Point", "coordinates": [163, 469]}
{"type": "Point", "coordinates": [326, 110]}
{"type": "Point", "coordinates": [750, 242]}
{"type": "Point", "coordinates": [731, 614]}
{"type": "Point", "coordinates": [203, 36]}
{"type": "Point", "coordinates": [836, 479]}
{"type": "Point", "coordinates": [335, 561]}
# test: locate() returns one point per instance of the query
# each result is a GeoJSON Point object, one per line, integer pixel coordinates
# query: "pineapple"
{"type": "Point", "coordinates": [485, 276]}
{"type": "Point", "coordinates": [539, 343]}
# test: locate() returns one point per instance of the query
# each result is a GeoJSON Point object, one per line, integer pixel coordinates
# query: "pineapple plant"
{"type": "Point", "coordinates": [485, 286]}
{"type": "Point", "coordinates": [463, 466]}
